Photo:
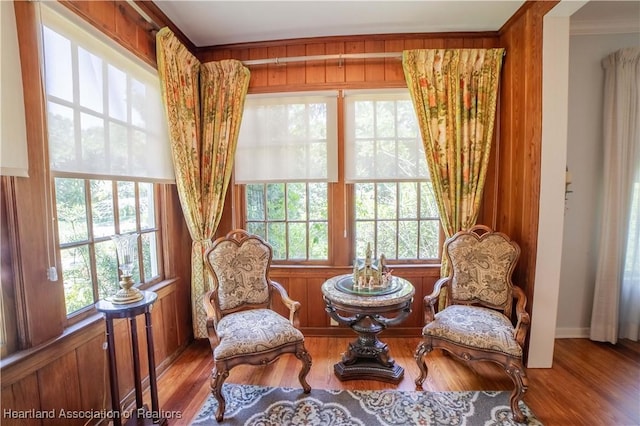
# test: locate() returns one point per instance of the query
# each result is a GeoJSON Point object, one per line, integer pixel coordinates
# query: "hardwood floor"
{"type": "Point", "coordinates": [589, 384]}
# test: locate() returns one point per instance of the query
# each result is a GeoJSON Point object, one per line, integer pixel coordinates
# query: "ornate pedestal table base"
{"type": "Point", "coordinates": [368, 313]}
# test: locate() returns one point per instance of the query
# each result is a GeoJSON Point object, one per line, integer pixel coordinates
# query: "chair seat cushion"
{"type": "Point", "coordinates": [253, 331]}
{"type": "Point", "coordinates": [474, 327]}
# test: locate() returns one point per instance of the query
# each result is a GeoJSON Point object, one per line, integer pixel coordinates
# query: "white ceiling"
{"type": "Point", "coordinates": [218, 22]}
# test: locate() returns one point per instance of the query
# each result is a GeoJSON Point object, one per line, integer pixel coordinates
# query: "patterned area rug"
{"type": "Point", "coordinates": [257, 405]}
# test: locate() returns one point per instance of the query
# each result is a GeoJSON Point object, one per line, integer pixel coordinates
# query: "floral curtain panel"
{"type": "Point", "coordinates": [204, 104]}
{"type": "Point", "coordinates": [455, 92]}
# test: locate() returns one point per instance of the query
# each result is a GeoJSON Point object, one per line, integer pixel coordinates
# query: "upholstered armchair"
{"type": "Point", "coordinates": [241, 324]}
{"type": "Point", "coordinates": [476, 323]}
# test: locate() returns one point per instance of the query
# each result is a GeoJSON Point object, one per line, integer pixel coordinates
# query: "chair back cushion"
{"type": "Point", "coordinates": [482, 266]}
{"type": "Point", "coordinates": [240, 270]}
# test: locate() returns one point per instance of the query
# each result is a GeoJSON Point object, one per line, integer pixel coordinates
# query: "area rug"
{"type": "Point", "coordinates": [258, 405]}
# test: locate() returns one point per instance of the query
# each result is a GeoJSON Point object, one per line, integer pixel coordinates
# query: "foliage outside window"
{"type": "Point", "coordinates": [107, 151]}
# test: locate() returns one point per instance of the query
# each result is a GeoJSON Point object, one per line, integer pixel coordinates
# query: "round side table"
{"type": "Point", "coordinates": [368, 314]}
{"type": "Point", "coordinates": [131, 311]}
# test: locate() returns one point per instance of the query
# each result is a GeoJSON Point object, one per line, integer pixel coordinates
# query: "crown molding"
{"type": "Point", "coordinates": [600, 26]}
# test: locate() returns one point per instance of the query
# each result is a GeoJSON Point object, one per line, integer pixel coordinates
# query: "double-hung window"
{"type": "Point", "coordinates": [285, 159]}
{"type": "Point", "coordinates": [394, 205]}
{"type": "Point", "coordinates": [107, 149]}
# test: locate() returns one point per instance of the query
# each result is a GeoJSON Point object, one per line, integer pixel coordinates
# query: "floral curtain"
{"type": "Point", "coordinates": [204, 104]}
{"type": "Point", "coordinates": [455, 92]}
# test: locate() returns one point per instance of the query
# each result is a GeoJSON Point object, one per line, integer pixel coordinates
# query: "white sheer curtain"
{"type": "Point", "coordinates": [616, 306]}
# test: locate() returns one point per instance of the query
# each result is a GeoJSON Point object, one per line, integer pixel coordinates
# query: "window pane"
{"type": "Point", "coordinates": [408, 240]}
{"type": "Point", "coordinates": [385, 119]}
{"type": "Point", "coordinates": [297, 237]}
{"type": "Point", "coordinates": [71, 208]}
{"type": "Point", "coordinates": [276, 235]}
{"type": "Point", "coordinates": [296, 201]}
{"type": "Point", "coordinates": [364, 117]}
{"type": "Point", "coordinates": [139, 101]}
{"type": "Point", "coordinates": [257, 228]}
{"type": "Point", "coordinates": [106, 269]}
{"type": "Point", "coordinates": [429, 239]}
{"type": "Point", "coordinates": [386, 200]}
{"type": "Point", "coordinates": [147, 206]}
{"type": "Point", "coordinates": [365, 198]}
{"type": "Point", "coordinates": [117, 93]}
{"type": "Point", "coordinates": [275, 201]}
{"type": "Point", "coordinates": [118, 147]}
{"type": "Point", "coordinates": [62, 142]}
{"type": "Point", "coordinates": [127, 207]}
{"type": "Point", "coordinates": [318, 206]}
{"type": "Point", "coordinates": [76, 276]}
{"type": "Point", "coordinates": [90, 79]}
{"type": "Point", "coordinates": [58, 64]}
{"type": "Point", "coordinates": [365, 234]}
{"type": "Point", "coordinates": [92, 136]}
{"type": "Point", "coordinates": [408, 200]}
{"type": "Point", "coordinates": [150, 255]}
{"type": "Point", "coordinates": [387, 232]}
{"type": "Point", "coordinates": [255, 202]}
{"type": "Point", "coordinates": [318, 241]}
{"type": "Point", "coordinates": [102, 208]}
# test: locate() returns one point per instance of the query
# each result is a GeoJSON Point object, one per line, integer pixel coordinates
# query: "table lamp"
{"type": "Point", "coordinates": [126, 249]}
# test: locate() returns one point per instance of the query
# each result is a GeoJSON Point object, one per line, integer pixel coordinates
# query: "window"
{"type": "Point", "coordinates": [395, 207]}
{"type": "Point", "coordinates": [286, 195]}
{"type": "Point", "coordinates": [107, 150]}
{"type": "Point", "coordinates": [286, 156]}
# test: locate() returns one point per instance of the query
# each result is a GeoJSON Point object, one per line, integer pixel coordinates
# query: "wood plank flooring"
{"type": "Point", "coordinates": [590, 383]}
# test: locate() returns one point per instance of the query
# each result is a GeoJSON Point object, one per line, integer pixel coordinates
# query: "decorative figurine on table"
{"type": "Point", "coordinates": [371, 275]}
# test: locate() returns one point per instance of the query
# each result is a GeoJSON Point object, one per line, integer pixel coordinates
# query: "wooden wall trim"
{"type": "Point", "coordinates": [32, 195]}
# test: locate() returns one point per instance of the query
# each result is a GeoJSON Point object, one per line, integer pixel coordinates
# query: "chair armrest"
{"type": "Point", "coordinates": [212, 319]}
{"type": "Point", "coordinates": [293, 305]}
{"type": "Point", "coordinates": [430, 300]}
{"type": "Point", "coordinates": [522, 326]}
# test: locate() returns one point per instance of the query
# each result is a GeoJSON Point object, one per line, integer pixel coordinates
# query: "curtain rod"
{"type": "Point", "coordinates": [340, 56]}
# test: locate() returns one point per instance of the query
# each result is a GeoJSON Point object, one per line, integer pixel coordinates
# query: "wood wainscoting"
{"type": "Point", "coordinates": [303, 285]}
{"type": "Point", "coordinates": [71, 372]}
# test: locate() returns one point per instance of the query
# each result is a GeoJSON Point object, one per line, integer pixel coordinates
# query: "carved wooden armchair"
{"type": "Point", "coordinates": [242, 327]}
{"type": "Point", "coordinates": [476, 323]}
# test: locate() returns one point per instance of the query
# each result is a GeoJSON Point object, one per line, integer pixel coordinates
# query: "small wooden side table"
{"type": "Point", "coordinates": [131, 310]}
{"type": "Point", "coordinates": [368, 314]}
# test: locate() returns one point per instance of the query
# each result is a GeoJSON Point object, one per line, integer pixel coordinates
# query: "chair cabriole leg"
{"type": "Point", "coordinates": [218, 376]}
{"type": "Point", "coordinates": [519, 378]}
{"type": "Point", "coordinates": [421, 351]}
{"type": "Point", "coordinates": [303, 355]}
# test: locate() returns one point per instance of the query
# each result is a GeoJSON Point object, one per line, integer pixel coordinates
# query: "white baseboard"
{"type": "Point", "coordinates": [572, 333]}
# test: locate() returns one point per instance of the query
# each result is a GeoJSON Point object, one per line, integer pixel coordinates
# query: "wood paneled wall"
{"type": "Point", "coordinates": [517, 167]}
